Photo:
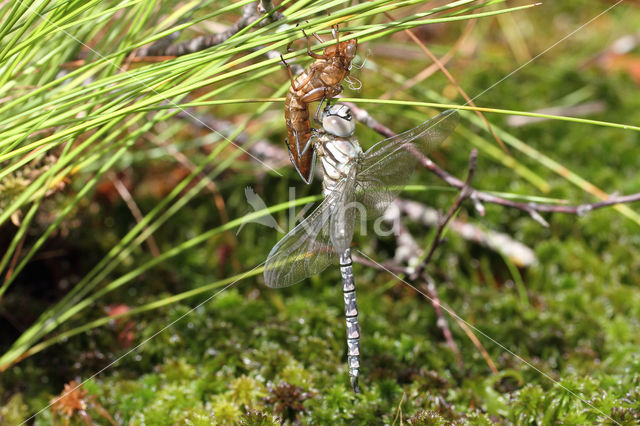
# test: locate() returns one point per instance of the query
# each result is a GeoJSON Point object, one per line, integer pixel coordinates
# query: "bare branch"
{"type": "Point", "coordinates": [533, 209]}
{"type": "Point", "coordinates": [518, 253]}
{"type": "Point", "coordinates": [271, 155]}
{"type": "Point", "coordinates": [251, 12]}
{"type": "Point", "coordinates": [409, 252]}
{"type": "Point", "coordinates": [476, 342]}
{"type": "Point", "coordinates": [387, 266]}
{"type": "Point", "coordinates": [465, 192]}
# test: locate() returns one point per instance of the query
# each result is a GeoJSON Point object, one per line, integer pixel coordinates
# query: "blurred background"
{"type": "Point", "coordinates": [124, 168]}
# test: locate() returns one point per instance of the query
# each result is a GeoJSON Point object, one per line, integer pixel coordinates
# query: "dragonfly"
{"type": "Point", "coordinates": [352, 180]}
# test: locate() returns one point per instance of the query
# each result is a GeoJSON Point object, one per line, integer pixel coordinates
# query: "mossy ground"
{"type": "Point", "coordinates": [254, 355]}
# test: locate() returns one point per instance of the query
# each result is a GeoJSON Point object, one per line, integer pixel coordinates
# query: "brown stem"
{"type": "Point", "coordinates": [533, 209]}
{"type": "Point", "coordinates": [465, 192]}
{"type": "Point", "coordinates": [387, 266]}
{"type": "Point", "coordinates": [517, 252]}
{"type": "Point", "coordinates": [441, 322]}
{"type": "Point", "coordinates": [476, 342]}
{"type": "Point", "coordinates": [14, 259]}
{"type": "Point", "coordinates": [135, 211]}
{"type": "Point", "coordinates": [250, 13]}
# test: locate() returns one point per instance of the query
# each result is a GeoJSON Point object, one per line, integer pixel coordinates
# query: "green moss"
{"type": "Point", "coordinates": [14, 411]}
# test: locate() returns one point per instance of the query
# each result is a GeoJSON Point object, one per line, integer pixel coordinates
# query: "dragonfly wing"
{"type": "Point", "coordinates": [307, 249]}
{"type": "Point", "coordinates": [389, 164]}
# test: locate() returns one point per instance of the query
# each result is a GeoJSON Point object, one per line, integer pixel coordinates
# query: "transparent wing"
{"type": "Point", "coordinates": [305, 251]}
{"type": "Point", "coordinates": [389, 164]}
{"type": "Point", "coordinates": [308, 248]}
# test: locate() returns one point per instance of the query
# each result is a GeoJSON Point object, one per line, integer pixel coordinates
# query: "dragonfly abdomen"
{"type": "Point", "coordinates": [351, 313]}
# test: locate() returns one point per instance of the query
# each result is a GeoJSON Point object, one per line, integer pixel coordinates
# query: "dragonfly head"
{"type": "Point", "coordinates": [338, 121]}
{"type": "Point", "coordinates": [342, 52]}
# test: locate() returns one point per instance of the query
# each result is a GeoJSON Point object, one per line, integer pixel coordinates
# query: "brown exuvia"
{"type": "Point", "coordinates": [320, 81]}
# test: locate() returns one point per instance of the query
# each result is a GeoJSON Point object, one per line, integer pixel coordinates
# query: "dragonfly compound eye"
{"type": "Point", "coordinates": [338, 121]}
{"type": "Point", "coordinates": [339, 126]}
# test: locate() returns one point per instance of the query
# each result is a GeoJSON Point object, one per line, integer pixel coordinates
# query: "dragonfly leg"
{"type": "Point", "coordinates": [314, 95]}
{"type": "Point", "coordinates": [322, 93]}
{"type": "Point", "coordinates": [289, 71]}
{"type": "Point", "coordinates": [308, 144]}
{"type": "Point", "coordinates": [354, 384]}
{"type": "Point", "coordinates": [318, 37]}
{"type": "Point", "coordinates": [335, 33]}
{"type": "Point", "coordinates": [295, 133]}
{"type": "Point", "coordinates": [289, 49]}
{"type": "Point", "coordinates": [316, 117]}
{"type": "Point", "coordinates": [334, 30]}
{"type": "Point", "coordinates": [304, 82]}
{"type": "Point", "coordinates": [291, 155]}
{"type": "Point", "coordinates": [309, 52]}
{"type": "Point", "coordinates": [293, 161]}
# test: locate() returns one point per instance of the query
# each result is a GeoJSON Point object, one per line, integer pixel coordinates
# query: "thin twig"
{"type": "Point", "coordinates": [399, 270]}
{"type": "Point", "coordinates": [441, 322]}
{"type": "Point", "coordinates": [399, 412]}
{"type": "Point", "coordinates": [431, 69]}
{"type": "Point", "coordinates": [250, 13]}
{"type": "Point", "coordinates": [409, 252]}
{"type": "Point", "coordinates": [387, 266]}
{"type": "Point", "coordinates": [211, 185]}
{"type": "Point", "coordinates": [430, 287]}
{"type": "Point", "coordinates": [14, 259]}
{"type": "Point", "coordinates": [188, 164]}
{"type": "Point", "coordinates": [465, 192]}
{"type": "Point", "coordinates": [514, 250]}
{"type": "Point", "coordinates": [135, 211]}
{"type": "Point", "coordinates": [475, 341]}
{"type": "Point", "coordinates": [154, 49]}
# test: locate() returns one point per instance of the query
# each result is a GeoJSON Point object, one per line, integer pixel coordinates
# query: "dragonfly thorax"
{"type": "Point", "coordinates": [336, 146]}
{"type": "Point", "coordinates": [337, 157]}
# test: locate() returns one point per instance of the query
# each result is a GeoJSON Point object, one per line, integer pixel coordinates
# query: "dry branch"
{"type": "Point", "coordinates": [518, 253]}
{"type": "Point", "coordinates": [251, 12]}
{"type": "Point", "coordinates": [533, 209]}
